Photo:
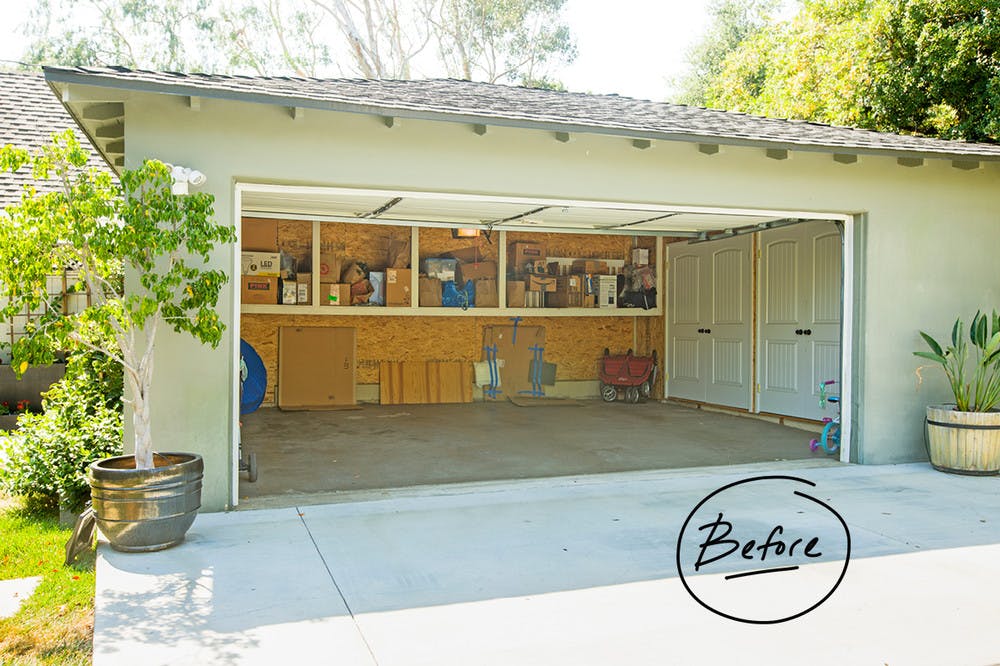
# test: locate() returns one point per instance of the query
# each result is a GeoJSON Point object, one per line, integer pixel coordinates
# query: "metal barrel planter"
{"type": "Point", "coordinates": [147, 509]}
{"type": "Point", "coordinates": [963, 442]}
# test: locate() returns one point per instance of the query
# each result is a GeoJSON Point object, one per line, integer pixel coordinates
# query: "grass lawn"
{"type": "Point", "coordinates": [56, 625]}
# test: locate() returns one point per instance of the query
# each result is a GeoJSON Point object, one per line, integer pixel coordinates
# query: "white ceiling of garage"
{"type": "Point", "coordinates": [472, 211]}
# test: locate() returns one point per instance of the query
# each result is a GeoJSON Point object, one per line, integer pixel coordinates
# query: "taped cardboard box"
{"type": "Point", "coordinates": [521, 252]}
{"type": "Point", "coordinates": [259, 235]}
{"type": "Point", "coordinates": [397, 287]}
{"type": "Point", "coordinates": [441, 268]}
{"type": "Point", "coordinates": [640, 256]}
{"type": "Point", "coordinates": [430, 292]}
{"type": "Point", "coordinates": [590, 266]}
{"type": "Point", "coordinates": [515, 294]}
{"type": "Point", "coordinates": [564, 299]}
{"type": "Point", "coordinates": [261, 264]}
{"type": "Point", "coordinates": [336, 294]}
{"type": "Point", "coordinates": [259, 290]}
{"type": "Point", "coordinates": [486, 293]}
{"type": "Point", "coordinates": [540, 283]}
{"type": "Point", "coordinates": [330, 264]}
{"type": "Point", "coordinates": [316, 367]}
{"type": "Point", "coordinates": [303, 283]}
{"type": "Point", "coordinates": [476, 271]}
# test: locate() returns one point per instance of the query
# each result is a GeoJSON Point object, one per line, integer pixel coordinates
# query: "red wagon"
{"type": "Point", "coordinates": [633, 376]}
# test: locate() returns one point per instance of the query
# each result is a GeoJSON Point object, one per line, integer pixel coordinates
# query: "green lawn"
{"type": "Point", "coordinates": [56, 625]}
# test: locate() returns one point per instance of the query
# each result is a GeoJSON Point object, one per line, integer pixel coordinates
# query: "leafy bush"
{"type": "Point", "coordinates": [48, 455]}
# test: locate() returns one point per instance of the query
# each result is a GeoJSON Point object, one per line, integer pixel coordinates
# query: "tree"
{"type": "Point", "coordinates": [733, 22]}
{"type": "Point", "coordinates": [96, 225]}
{"type": "Point", "coordinates": [492, 40]}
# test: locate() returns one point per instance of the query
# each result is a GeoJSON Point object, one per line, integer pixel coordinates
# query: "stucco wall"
{"type": "Point", "coordinates": [926, 241]}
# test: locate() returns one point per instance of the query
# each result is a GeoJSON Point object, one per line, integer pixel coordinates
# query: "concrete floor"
{"type": "Point", "coordinates": [304, 457]}
{"type": "Point", "coordinates": [576, 571]}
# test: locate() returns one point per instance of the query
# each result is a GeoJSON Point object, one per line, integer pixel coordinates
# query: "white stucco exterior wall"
{"type": "Point", "coordinates": [925, 250]}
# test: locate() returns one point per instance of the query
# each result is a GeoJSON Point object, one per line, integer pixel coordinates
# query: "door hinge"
{"type": "Point", "coordinates": [758, 388]}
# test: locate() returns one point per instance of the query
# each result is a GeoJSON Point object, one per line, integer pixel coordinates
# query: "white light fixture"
{"type": "Point", "coordinates": [183, 176]}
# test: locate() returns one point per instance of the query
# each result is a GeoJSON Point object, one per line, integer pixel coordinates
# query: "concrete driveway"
{"type": "Point", "coordinates": [576, 571]}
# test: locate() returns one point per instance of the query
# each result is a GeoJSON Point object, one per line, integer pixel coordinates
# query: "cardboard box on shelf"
{"type": "Point", "coordinates": [570, 283]}
{"type": "Point", "coordinates": [607, 291]}
{"type": "Point", "coordinates": [303, 282]}
{"type": "Point", "coordinates": [476, 271]}
{"type": "Point", "coordinates": [590, 266]}
{"type": "Point", "coordinates": [316, 367]}
{"type": "Point", "coordinates": [430, 292]}
{"type": "Point", "coordinates": [330, 264]}
{"type": "Point", "coordinates": [519, 253]}
{"type": "Point", "coordinates": [398, 253]}
{"type": "Point", "coordinates": [640, 256]}
{"type": "Point", "coordinates": [352, 273]}
{"type": "Point", "coordinates": [289, 292]}
{"type": "Point", "coordinates": [441, 268]}
{"type": "Point", "coordinates": [397, 287]}
{"type": "Point", "coordinates": [336, 294]}
{"type": "Point", "coordinates": [515, 294]}
{"type": "Point", "coordinates": [564, 299]}
{"type": "Point", "coordinates": [486, 293]}
{"type": "Point", "coordinates": [259, 235]}
{"type": "Point", "coordinates": [261, 264]}
{"type": "Point", "coordinates": [537, 267]}
{"type": "Point", "coordinates": [540, 283]}
{"type": "Point", "coordinates": [259, 290]}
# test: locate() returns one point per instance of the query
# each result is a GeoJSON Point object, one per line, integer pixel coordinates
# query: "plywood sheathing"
{"type": "Point", "coordinates": [574, 344]}
{"type": "Point", "coordinates": [436, 242]}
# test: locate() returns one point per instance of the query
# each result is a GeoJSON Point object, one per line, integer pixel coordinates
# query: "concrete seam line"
{"type": "Point", "coordinates": [326, 566]}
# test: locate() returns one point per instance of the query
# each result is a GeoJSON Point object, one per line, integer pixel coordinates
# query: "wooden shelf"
{"type": "Point", "coordinates": [377, 311]}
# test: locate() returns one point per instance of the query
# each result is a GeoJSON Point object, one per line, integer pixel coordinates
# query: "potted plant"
{"type": "Point", "coordinates": [138, 232]}
{"type": "Point", "coordinates": [964, 437]}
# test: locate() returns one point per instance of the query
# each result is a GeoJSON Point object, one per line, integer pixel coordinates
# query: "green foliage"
{"type": "Point", "coordinates": [975, 385]}
{"type": "Point", "coordinates": [163, 239]}
{"type": "Point", "coordinates": [82, 422]}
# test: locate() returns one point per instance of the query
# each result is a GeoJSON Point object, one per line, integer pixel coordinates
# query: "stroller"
{"type": "Point", "coordinates": [634, 376]}
{"type": "Point", "coordinates": [253, 384]}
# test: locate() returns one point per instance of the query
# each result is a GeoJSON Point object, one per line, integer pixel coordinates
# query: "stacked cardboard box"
{"type": "Point", "coordinates": [522, 254]}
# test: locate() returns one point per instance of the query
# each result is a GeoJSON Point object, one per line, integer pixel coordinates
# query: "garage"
{"type": "Point", "coordinates": [784, 255]}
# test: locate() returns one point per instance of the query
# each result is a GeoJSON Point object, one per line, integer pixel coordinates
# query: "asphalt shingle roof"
{"type": "Point", "coordinates": [500, 104]}
{"type": "Point", "coordinates": [29, 114]}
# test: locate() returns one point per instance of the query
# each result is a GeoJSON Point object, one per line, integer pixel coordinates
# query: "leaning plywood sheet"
{"type": "Point", "coordinates": [517, 347]}
{"type": "Point", "coordinates": [316, 367]}
{"type": "Point", "coordinates": [424, 382]}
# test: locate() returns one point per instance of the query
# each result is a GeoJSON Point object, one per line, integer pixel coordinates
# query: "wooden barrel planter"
{"type": "Point", "coordinates": [963, 442]}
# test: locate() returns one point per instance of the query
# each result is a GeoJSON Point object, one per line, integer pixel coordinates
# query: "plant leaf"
{"type": "Point", "coordinates": [937, 358]}
{"type": "Point", "coordinates": [932, 343]}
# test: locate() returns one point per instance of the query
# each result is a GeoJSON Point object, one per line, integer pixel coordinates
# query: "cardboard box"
{"type": "Point", "coordinates": [262, 264]}
{"type": "Point", "coordinates": [521, 252]}
{"type": "Point", "coordinates": [303, 282]}
{"type": "Point", "coordinates": [397, 287]}
{"type": "Point", "coordinates": [537, 267]}
{"type": "Point", "coordinates": [540, 283]}
{"type": "Point", "coordinates": [430, 292]}
{"type": "Point", "coordinates": [564, 299]}
{"type": "Point", "coordinates": [330, 264]}
{"type": "Point", "coordinates": [640, 256]}
{"type": "Point", "coordinates": [570, 283]}
{"type": "Point", "coordinates": [440, 268]}
{"type": "Point", "coordinates": [487, 295]}
{"type": "Point", "coordinates": [589, 266]}
{"type": "Point", "coordinates": [289, 292]}
{"type": "Point", "coordinates": [316, 367]}
{"type": "Point", "coordinates": [476, 271]}
{"type": "Point", "coordinates": [336, 294]}
{"type": "Point", "coordinates": [259, 235]}
{"type": "Point", "coordinates": [352, 273]}
{"type": "Point", "coordinates": [259, 290]}
{"type": "Point", "coordinates": [607, 291]}
{"type": "Point", "coordinates": [515, 294]}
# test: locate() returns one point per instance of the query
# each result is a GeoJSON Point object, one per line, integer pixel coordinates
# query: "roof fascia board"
{"type": "Point", "coordinates": [141, 86]}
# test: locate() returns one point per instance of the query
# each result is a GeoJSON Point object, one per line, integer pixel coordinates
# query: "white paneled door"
{"type": "Point", "coordinates": [710, 322]}
{"type": "Point", "coordinates": [800, 308]}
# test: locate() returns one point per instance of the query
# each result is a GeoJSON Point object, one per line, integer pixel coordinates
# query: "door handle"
{"type": "Point", "coordinates": [799, 331]}
{"type": "Point", "coordinates": [808, 331]}
{"type": "Point", "coordinates": [708, 330]}
{"type": "Point", "coordinates": [701, 330]}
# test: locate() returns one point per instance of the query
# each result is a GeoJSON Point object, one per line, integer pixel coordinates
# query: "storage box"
{"type": "Point", "coordinates": [515, 294]}
{"type": "Point", "coordinates": [640, 256]}
{"type": "Point", "coordinates": [537, 267]}
{"type": "Point", "coordinates": [476, 271]}
{"type": "Point", "coordinates": [397, 287]}
{"type": "Point", "coordinates": [486, 293]}
{"type": "Point", "coordinates": [430, 292]}
{"type": "Point", "coordinates": [259, 290]}
{"type": "Point", "coordinates": [330, 264]}
{"type": "Point", "coordinates": [268, 264]}
{"type": "Point", "coordinates": [259, 235]}
{"type": "Point", "coordinates": [520, 253]}
{"type": "Point", "coordinates": [440, 268]}
{"type": "Point", "coordinates": [540, 283]}
{"type": "Point", "coordinates": [564, 299]}
{"type": "Point", "coordinates": [303, 282]}
{"type": "Point", "coordinates": [607, 291]}
{"type": "Point", "coordinates": [289, 292]}
{"type": "Point", "coordinates": [570, 283]}
{"type": "Point", "coordinates": [316, 367]}
{"type": "Point", "coordinates": [589, 266]}
{"type": "Point", "coordinates": [336, 294]}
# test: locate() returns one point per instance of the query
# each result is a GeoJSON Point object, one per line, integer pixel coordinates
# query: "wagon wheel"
{"type": "Point", "coordinates": [251, 467]}
{"type": "Point", "coordinates": [632, 394]}
{"type": "Point", "coordinates": [607, 351]}
{"type": "Point", "coordinates": [645, 389]}
{"type": "Point", "coordinates": [608, 392]}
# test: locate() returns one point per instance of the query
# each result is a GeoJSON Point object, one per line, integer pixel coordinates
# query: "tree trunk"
{"type": "Point", "coordinates": [141, 427]}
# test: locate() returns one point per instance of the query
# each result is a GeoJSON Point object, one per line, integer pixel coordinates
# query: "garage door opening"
{"type": "Point", "coordinates": [424, 411]}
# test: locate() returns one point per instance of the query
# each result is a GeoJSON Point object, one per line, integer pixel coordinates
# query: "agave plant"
{"type": "Point", "coordinates": [975, 382]}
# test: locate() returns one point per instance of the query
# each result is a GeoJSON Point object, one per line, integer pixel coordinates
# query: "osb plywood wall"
{"type": "Point", "coordinates": [362, 241]}
{"type": "Point", "coordinates": [574, 344]}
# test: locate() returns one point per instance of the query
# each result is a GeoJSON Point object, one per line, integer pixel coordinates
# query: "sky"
{"type": "Point", "coordinates": [629, 47]}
